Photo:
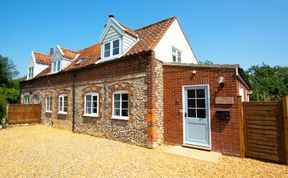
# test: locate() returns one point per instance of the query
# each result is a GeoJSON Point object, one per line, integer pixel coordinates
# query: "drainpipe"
{"type": "Point", "coordinates": [73, 100]}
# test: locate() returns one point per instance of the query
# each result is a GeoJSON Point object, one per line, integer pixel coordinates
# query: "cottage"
{"type": "Point", "coordinates": [141, 86]}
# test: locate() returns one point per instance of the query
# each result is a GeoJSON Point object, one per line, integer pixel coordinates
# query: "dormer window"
{"type": "Point", "coordinates": [31, 71]}
{"type": "Point", "coordinates": [108, 52]}
{"type": "Point", "coordinates": [56, 66]}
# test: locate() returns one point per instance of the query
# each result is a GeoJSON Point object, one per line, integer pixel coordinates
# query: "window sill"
{"type": "Point", "coordinates": [120, 118]}
{"type": "Point", "coordinates": [48, 111]}
{"type": "Point", "coordinates": [90, 115]}
{"type": "Point", "coordinates": [62, 112]}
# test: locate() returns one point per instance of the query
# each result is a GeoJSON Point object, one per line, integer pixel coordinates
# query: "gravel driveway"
{"type": "Point", "coordinates": [39, 151]}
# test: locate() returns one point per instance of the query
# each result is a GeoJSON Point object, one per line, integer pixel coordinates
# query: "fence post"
{"type": "Point", "coordinates": [241, 127]}
{"type": "Point", "coordinates": [285, 122]}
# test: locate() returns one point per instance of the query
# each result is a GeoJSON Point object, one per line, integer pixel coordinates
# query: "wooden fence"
{"type": "Point", "coordinates": [263, 129]}
{"type": "Point", "coordinates": [24, 113]}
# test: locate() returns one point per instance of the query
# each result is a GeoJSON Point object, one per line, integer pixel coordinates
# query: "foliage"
{"type": "Point", "coordinates": [7, 70]}
{"type": "Point", "coordinates": [9, 88]}
{"type": "Point", "coordinates": [206, 62]}
{"type": "Point", "coordinates": [267, 83]}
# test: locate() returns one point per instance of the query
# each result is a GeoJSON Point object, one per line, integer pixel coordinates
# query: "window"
{"type": "Point", "coordinates": [36, 99]}
{"type": "Point", "coordinates": [107, 50]}
{"type": "Point", "coordinates": [91, 104]}
{"type": "Point", "coordinates": [62, 104]}
{"type": "Point", "coordinates": [26, 99]}
{"type": "Point", "coordinates": [115, 45]}
{"type": "Point", "coordinates": [120, 105]}
{"type": "Point", "coordinates": [176, 55]}
{"type": "Point", "coordinates": [31, 73]}
{"type": "Point", "coordinates": [196, 103]}
{"type": "Point", "coordinates": [56, 66]}
{"type": "Point", "coordinates": [49, 104]}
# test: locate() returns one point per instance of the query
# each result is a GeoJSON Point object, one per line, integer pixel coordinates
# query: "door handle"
{"type": "Point", "coordinates": [185, 114]}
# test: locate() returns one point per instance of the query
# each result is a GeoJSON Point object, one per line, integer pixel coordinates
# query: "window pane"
{"type": "Point", "coordinates": [88, 98]}
{"type": "Point", "coordinates": [200, 93]}
{"type": "Point", "coordinates": [95, 104]}
{"type": "Point", "coordinates": [117, 104]}
{"type": "Point", "coordinates": [200, 103]}
{"type": "Point", "coordinates": [191, 93]}
{"type": "Point", "coordinates": [95, 98]}
{"type": "Point", "coordinates": [117, 112]}
{"type": "Point", "coordinates": [58, 66]}
{"type": "Point", "coordinates": [94, 110]}
{"type": "Point", "coordinates": [107, 50]}
{"type": "Point", "coordinates": [115, 51]}
{"type": "Point", "coordinates": [107, 54]}
{"type": "Point", "coordinates": [116, 96]}
{"type": "Point", "coordinates": [201, 113]}
{"type": "Point", "coordinates": [173, 50]}
{"type": "Point", "coordinates": [174, 58]}
{"type": "Point", "coordinates": [191, 103]}
{"type": "Point", "coordinates": [125, 104]}
{"type": "Point", "coordinates": [191, 113]}
{"type": "Point", "coordinates": [88, 104]}
{"type": "Point", "coordinates": [88, 110]}
{"type": "Point", "coordinates": [65, 103]}
{"type": "Point", "coordinates": [115, 47]}
{"type": "Point", "coordinates": [124, 112]}
{"type": "Point", "coordinates": [125, 97]}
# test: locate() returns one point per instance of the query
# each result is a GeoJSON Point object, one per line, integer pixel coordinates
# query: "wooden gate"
{"type": "Point", "coordinates": [264, 131]}
{"type": "Point", "coordinates": [24, 113]}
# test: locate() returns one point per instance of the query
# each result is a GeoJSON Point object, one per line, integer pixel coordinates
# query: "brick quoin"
{"type": "Point", "coordinates": [225, 134]}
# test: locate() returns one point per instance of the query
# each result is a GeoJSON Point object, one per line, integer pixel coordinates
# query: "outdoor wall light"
{"type": "Point", "coordinates": [221, 81]}
{"type": "Point", "coordinates": [193, 72]}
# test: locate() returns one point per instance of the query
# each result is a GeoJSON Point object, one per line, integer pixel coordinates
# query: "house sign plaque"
{"type": "Point", "coordinates": [224, 100]}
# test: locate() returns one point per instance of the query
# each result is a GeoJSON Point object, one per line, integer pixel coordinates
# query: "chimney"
{"type": "Point", "coordinates": [51, 51]}
{"type": "Point", "coordinates": [111, 16]}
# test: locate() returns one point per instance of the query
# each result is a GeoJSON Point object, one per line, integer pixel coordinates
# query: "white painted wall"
{"type": "Point", "coordinates": [174, 36]}
{"type": "Point", "coordinates": [112, 34]}
{"type": "Point", "coordinates": [128, 42]}
{"type": "Point", "coordinates": [36, 67]}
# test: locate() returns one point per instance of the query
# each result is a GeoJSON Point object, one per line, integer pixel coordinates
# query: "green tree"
{"type": "Point", "coordinates": [9, 87]}
{"type": "Point", "coordinates": [7, 70]}
{"type": "Point", "coordinates": [206, 62]}
{"type": "Point", "coordinates": [268, 83]}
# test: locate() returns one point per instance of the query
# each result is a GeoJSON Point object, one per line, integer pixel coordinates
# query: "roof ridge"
{"type": "Point", "coordinates": [173, 17]}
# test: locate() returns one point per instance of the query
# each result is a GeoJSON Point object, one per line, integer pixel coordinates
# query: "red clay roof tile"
{"type": "Point", "coordinates": [149, 37]}
{"type": "Point", "coordinates": [42, 58]}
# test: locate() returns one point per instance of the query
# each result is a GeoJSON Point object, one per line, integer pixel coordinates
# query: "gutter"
{"type": "Point", "coordinates": [241, 78]}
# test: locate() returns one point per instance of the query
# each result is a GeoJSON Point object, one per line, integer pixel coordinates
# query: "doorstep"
{"type": "Point", "coordinates": [208, 156]}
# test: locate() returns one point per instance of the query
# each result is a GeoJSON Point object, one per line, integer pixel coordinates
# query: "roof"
{"type": "Point", "coordinates": [149, 37]}
{"type": "Point", "coordinates": [42, 58]}
{"type": "Point", "coordinates": [69, 54]}
{"type": "Point", "coordinates": [129, 31]}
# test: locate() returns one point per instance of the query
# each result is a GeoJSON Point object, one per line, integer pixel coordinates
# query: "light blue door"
{"type": "Point", "coordinates": [196, 108]}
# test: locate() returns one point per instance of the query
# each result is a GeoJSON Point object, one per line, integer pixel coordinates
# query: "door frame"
{"type": "Point", "coordinates": [209, 115]}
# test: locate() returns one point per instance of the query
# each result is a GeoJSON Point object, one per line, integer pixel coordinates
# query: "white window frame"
{"type": "Point", "coordinates": [62, 104]}
{"type": "Point", "coordinates": [91, 114]}
{"type": "Point", "coordinates": [55, 65]}
{"type": "Point", "coordinates": [176, 54]}
{"type": "Point", "coordinates": [120, 117]}
{"type": "Point", "coordinates": [26, 99]}
{"type": "Point", "coordinates": [111, 49]}
{"type": "Point", "coordinates": [49, 104]}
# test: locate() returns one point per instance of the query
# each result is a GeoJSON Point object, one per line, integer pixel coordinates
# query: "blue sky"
{"type": "Point", "coordinates": [247, 32]}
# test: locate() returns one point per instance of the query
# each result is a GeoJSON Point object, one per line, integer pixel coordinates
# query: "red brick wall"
{"type": "Point", "coordinates": [225, 134]}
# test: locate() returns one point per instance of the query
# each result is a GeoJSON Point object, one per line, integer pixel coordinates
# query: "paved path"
{"type": "Point", "coordinates": [39, 151]}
